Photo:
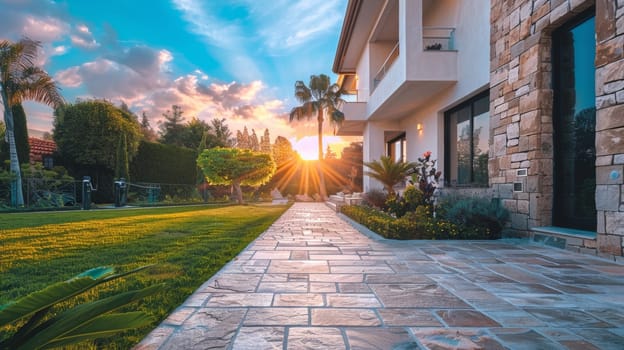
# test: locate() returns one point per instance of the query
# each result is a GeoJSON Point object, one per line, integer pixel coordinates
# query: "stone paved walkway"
{"type": "Point", "coordinates": [311, 281]}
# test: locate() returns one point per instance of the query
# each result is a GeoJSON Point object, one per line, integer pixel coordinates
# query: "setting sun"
{"type": "Point", "coordinates": [307, 147]}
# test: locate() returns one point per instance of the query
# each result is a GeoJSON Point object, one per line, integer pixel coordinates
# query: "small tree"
{"type": "Point", "coordinates": [388, 172]}
{"type": "Point", "coordinates": [236, 167]}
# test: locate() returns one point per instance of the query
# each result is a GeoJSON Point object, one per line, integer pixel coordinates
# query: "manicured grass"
{"type": "Point", "coordinates": [188, 244]}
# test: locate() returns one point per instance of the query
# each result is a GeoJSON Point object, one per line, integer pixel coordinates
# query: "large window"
{"type": "Point", "coordinates": [574, 123]}
{"type": "Point", "coordinates": [467, 134]}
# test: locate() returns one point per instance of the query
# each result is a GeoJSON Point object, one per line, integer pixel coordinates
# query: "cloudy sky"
{"type": "Point", "coordinates": [233, 59]}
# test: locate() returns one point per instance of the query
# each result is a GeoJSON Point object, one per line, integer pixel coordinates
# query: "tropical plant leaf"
{"type": "Point", "coordinates": [102, 327]}
{"type": "Point", "coordinates": [97, 272]}
{"type": "Point", "coordinates": [63, 324]}
{"type": "Point", "coordinates": [58, 292]}
{"type": "Point", "coordinates": [44, 299]}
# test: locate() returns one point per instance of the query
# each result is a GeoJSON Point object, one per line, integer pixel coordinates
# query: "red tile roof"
{"type": "Point", "coordinates": [40, 148]}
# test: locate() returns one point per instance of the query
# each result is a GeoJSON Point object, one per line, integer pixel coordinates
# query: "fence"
{"type": "Point", "coordinates": [43, 193]}
{"type": "Point", "coordinates": [55, 194]}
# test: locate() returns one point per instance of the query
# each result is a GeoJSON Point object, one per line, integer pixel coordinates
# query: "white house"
{"type": "Point", "coordinates": [419, 73]}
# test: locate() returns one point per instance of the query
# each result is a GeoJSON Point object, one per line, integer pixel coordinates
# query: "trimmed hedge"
{"type": "Point", "coordinates": [160, 163]}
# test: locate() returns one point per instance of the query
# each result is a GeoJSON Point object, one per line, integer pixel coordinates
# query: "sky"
{"type": "Point", "coordinates": [233, 59]}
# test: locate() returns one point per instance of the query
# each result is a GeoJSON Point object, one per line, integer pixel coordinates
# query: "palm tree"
{"type": "Point", "coordinates": [319, 99]}
{"type": "Point", "coordinates": [388, 172]}
{"type": "Point", "coordinates": [20, 80]}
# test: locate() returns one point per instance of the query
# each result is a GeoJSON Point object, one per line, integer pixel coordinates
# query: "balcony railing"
{"type": "Point", "coordinates": [381, 73]}
{"type": "Point", "coordinates": [438, 39]}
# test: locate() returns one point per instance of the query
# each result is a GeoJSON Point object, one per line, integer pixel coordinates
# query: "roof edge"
{"type": "Point", "coordinates": [353, 8]}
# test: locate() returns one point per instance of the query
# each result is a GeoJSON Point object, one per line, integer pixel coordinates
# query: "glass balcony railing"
{"type": "Point", "coordinates": [381, 73]}
{"type": "Point", "coordinates": [438, 39]}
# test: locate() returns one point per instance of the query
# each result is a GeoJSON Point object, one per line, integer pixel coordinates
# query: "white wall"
{"type": "Point", "coordinates": [471, 18]}
{"type": "Point", "coordinates": [375, 147]}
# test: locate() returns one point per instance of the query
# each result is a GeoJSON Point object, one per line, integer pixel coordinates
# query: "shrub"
{"type": "Point", "coordinates": [375, 199]}
{"type": "Point", "coordinates": [462, 219]}
{"type": "Point", "coordinates": [410, 200]}
{"type": "Point", "coordinates": [476, 218]}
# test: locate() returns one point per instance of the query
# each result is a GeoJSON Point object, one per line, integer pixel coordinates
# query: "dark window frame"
{"type": "Point", "coordinates": [447, 141]}
{"type": "Point", "coordinates": [390, 143]}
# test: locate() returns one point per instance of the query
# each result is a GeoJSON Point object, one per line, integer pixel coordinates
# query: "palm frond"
{"type": "Point", "coordinates": [302, 92]}
{"type": "Point", "coordinates": [388, 172]}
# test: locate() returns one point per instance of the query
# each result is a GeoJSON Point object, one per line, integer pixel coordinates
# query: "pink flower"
{"type": "Point", "coordinates": [427, 154]}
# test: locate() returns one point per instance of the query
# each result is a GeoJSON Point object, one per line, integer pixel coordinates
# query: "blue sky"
{"type": "Point", "coordinates": [236, 59]}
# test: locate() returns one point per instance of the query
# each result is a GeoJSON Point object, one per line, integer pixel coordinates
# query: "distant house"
{"type": "Point", "coordinates": [41, 151]}
{"type": "Point", "coordinates": [518, 100]}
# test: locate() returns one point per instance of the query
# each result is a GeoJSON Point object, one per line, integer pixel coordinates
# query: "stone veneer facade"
{"type": "Point", "coordinates": [521, 114]}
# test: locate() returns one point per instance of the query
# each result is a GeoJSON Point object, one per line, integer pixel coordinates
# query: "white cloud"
{"type": "Point", "coordinates": [44, 29]}
{"type": "Point", "coordinates": [69, 77]}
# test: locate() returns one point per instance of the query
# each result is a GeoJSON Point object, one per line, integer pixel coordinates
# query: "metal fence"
{"type": "Point", "coordinates": [42, 193]}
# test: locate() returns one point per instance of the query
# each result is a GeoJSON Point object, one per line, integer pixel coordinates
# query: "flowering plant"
{"type": "Point", "coordinates": [426, 176]}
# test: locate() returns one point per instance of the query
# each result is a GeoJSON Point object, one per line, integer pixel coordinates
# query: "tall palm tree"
{"type": "Point", "coordinates": [21, 80]}
{"type": "Point", "coordinates": [319, 99]}
{"type": "Point", "coordinates": [388, 172]}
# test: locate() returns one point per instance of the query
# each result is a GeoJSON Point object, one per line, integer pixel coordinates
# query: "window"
{"type": "Point", "coordinates": [574, 123]}
{"type": "Point", "coordinates": [467, 134]}
{"type": "Point", "coordinates": [395, 149]}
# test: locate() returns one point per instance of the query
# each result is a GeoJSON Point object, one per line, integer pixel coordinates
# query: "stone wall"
{"type": "Point", "coordinates": [521, 113]}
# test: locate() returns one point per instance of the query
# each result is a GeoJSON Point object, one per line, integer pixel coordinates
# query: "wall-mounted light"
{"type": "Point", "coordinates": [419, 127]}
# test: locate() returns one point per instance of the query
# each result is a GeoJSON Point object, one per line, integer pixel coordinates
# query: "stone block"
{"type": "Point", "coordinates": [518, 157]}
{"type": "Point", "coordinates": [605, 101]}
{"type": "Point", "coordinates": [512, 143]}
{"type": "Point", "coordinates": [514, 18]}
{"type": "Point", "coordinates": [560, 12]}
{"type": "Point", "coordinates": [600, 221]}
{"type": "Point", "coordinates": [614, 223]}
{"type": "Point", "coordinates": [618, 159]}
{"type": "Point", "coordinates": [523, 90]}
{"type": "Point", "coordinates": [610, 51]}
{"type": "Point", "coordinates": [609, 73]}
{"type": "Point", "coordinates": [590, 243]}
{"type": "Point", "coordinates": [513, 130]}
{"type": "Point", "coordinates": [500, 145]}
{"type": "Point", "coordinates": [607, 197]}
{"type": "Point", "coordinates": [525, 10]}
{"type": "Point", "coordinates": [610, 175]}
{"type": "Point", "coordinates": [505, 191]}
{"type": "Point", "coordinates": [619, 96]}
{"type": "Point", "coordinates": [609, 244]}
{"type": "Point", "coordinates": [605, 160]}
{"type": "Point", "coordinates": [610, 117]}
{"type": "Point", "coordinates": [510, 204]}
{"type": "Point", "coordinates": [530, 123]}
{"type": "Point", "coordinates": [532, 184]}
{"type": "Point", "coordinates": [610, 141]}
{"type": "Point", "coordinates": [613, 86]}
{"type": "Point", "coordinates": [540, 9]}
{"type": "Point", "coordinates": [605, 19]}
{"type": "Point", "coordinates": [519, 221]}
{"type": "Point", "coordinates": [523, 206]}
{"type": "Point", "coordinates": [529, 61]}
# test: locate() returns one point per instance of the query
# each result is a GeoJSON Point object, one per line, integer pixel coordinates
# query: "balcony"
{"type": "Point", "coordinates": [413, 72]}
{"type": "Point", "coordinates": [438, 39]}
{"type": "Point", "coordinates": [381, 73]}
{"type": "Point", "coordinates": [355, 118]}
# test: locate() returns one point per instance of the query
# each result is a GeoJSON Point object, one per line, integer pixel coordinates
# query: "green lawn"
{"type": "Point", "coordinates": [188, 244]}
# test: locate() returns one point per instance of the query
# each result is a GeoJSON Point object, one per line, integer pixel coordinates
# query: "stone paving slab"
{"type": "Point", "coordinates": [312, 281]}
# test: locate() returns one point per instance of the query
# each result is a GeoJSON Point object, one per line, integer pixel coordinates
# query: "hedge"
{"type": "Point", "coordinates": [160, 163]}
